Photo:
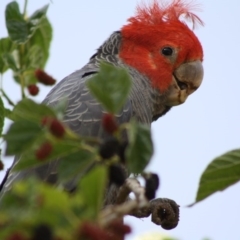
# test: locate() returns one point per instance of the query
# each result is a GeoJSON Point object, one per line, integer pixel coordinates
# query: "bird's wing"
{"type": "Point", "coordinates": [83, 116]}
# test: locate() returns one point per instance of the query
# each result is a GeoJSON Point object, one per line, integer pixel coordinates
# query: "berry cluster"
{"type": "Point", "coordinates": [42, 77]}
{"type": "Point", "coordinates": [57, 129]}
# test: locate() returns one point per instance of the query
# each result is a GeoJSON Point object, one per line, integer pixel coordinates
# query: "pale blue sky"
{"type": "Point", "coordinates": [189, 136]}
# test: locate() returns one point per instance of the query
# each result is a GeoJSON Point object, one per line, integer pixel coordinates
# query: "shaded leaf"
{"type": "Point", "coordinates": [21, 135]}
{"type": "Point", "coordinates": [110, 87]}
{"type": "Point", "coordinates": [16, 25]}
{"type": "Point", "coordinates": [34, 57]}
{"type": "Point", "coordinates": [6, 46]}
{"type": "Point", "coordinates": [10, 61]}
{"type": "Point", "coordinates": [42, 38]}
{"type": "Point", "coordinates": [35, 202]}
{"type": "Point", "coordinates": [140, 147]}
{"type": "Point", "coordinates": [35, 19]}
{"type": "Point", "coordinates": [221, 173]}
{"type": "Point", "coordinates": [8, 114]}
{"type": "Point", "coordinates": [31, 111]}
{"type": "Point", "coordinates": [2, 115]}
{"type": "Point", "coordinates": [75, 163]}
{"type": "Point", "coordinates": [61, 149]}
{"type": "Point", "coordinates": [94, 195]}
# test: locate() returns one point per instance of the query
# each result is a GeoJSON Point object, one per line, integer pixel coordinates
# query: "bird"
{"type": "Point", "coordinates": [163, 58]}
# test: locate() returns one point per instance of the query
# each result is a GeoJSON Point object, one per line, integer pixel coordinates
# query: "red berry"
{"type": "Point", "coordinates": [55, 126]}
{"type": "Point", "coordinates": [109, 123]}
{"type": "Point", "coordinates": [44, 78]}
{"type": "Point", "coordinates": [1, 165]}
{"type": "Point", "coordinates": [44, 151]}
{"type": "Point", "coordinates": [119, 228]}
{"type": "Point", "coordinates": [33, 89]}
{"type": "Point", "coordinates": [92, 232]}
{"type": "Point", "coordinates": [16, 236]}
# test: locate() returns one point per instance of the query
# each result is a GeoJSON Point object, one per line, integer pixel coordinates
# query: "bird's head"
{"type": "Point", "coordinates": [158, 43]}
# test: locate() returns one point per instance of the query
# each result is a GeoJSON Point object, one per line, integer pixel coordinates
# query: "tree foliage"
{"type": "Point", "coordinates": [39, 136]}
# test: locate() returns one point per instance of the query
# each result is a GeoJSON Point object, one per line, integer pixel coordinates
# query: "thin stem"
{"type": "Point", "coordinates": [22, 82]}
{"type": "Point", "coordinates": [10, 102]}
{"type": "Point", "coordinates": [25, 8]}
{"type": "Point", "coordinates": [1, 80]}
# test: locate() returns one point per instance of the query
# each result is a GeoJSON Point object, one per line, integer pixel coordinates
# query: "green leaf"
{"type": "Point", "coordinates": [140, 147]}
{"type": "Point", "coordinates": [37, 16]}
{"type": "Point", "coordinates": [16, 25]}
{"type": "Point", "coordinates": [6, 46]}
{"type": "Point", "coordinates": [61, 149]}
{"type": "Point", "coordinates": [34, 57]}
{"type": "Point", "coordinates": [2, 115]}
{"type": "Point", "coordinates": [221, 173]}
{"type": "Point", "coordinates": [110, 87]}
{"type": "Point", "coordinates": [31, 111]}
{"type": "Point", "coordinates": [42, 38]}
{"type": "Point", "coordinates": [75, 164]}
{"type": "Point", "coordinates": [8, 114]}
{"type": "Point", "coordinates": [10, 62]}
{"type": "Point", "coordinates": [93, 188]}
{"type": "Point", "coordinates": [21, 135]}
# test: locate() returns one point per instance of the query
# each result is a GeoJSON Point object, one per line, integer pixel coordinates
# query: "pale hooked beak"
{"type": "Point", "coordinates": [186, 79]}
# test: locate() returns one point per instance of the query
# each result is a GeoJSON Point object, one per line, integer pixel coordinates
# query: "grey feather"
{"type": "Point", "coordinates": [83, 113]}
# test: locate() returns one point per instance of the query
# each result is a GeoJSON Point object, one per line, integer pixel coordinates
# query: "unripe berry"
{"type": "Point", "coordinates": [33, 89]}
{"type": "Point", "coordinates": [109, 123]}
{"type": "Point", "coordinates": [55, 126]}
{"type": "Point", "coordinates": [44, 151]}
{"type": "Point", "coordinates": [91, 231]}
{"type": "Point", "coordinates": [44, 78]}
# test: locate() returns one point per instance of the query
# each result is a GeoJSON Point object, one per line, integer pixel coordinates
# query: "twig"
{"type": "Point", "coordinates": [113, 212]}
{"type": "Point", "coordinates": [10, 102]}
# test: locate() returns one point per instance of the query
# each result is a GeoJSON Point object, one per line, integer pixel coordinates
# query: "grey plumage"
{"type": "Point", "coordinates": [83, 113]}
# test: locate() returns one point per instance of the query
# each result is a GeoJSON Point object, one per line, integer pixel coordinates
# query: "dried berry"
{"type": "Point", "coordinates": [44, 78]}
{"type": "Point", "coordinates": [44, 151]}
{"type": "Point", "coordinates": [109, 148]}
{"type": "Point", "coordinates": [41, 232]}
{"type": "Point", "coordinates": [117, 174]}
{"type": "Point", "coordinates": [152, 184]}
{"type": "Point", "coordinates": [33, 89]}
{"type": "Point", "coordinates": [1, 165]}
{"type": "Point", "coordinates": [55, 126]}
{"type": "Point", "coordinates": [92, 232]}
{"type": "Point", "coordinates": [109, 123]}
{"type": "Point", "coordinates": [121, 151]}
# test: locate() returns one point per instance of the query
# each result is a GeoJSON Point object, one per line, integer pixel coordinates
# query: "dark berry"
{"type": "Point", "coordinates": [117, 174]}
{"type": "Point", "coordinates": [42, 232]}
{"type": "Point", "coordinates": [152, 184]}
{"type": "Point", "coordinates": [1, 165]}
{"type": "Point", "coordinates": [109, 148]}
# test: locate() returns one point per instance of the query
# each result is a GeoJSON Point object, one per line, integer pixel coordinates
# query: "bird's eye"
{"type": "Point", "coordinates": [167, 51]}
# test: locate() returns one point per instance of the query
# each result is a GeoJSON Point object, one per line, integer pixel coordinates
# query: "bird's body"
{"type": "Point", "coordinates": [164, 70]}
